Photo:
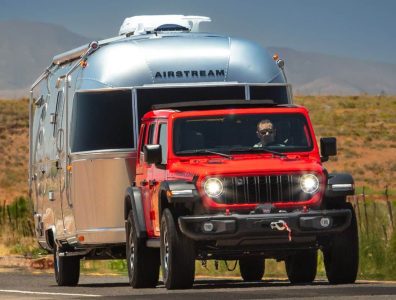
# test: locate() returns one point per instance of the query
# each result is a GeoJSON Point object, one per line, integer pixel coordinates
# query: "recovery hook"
{"type": "Point", "coordinates": [280, 226]}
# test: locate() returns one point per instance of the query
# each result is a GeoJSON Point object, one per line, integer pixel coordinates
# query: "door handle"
{"type": "Point", "coordinates": [59, 140]}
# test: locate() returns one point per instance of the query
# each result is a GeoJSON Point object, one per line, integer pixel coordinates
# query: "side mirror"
{"type": "Point", "coordinates": [152, 154]}
{"type": "Point", "coordinates": [328, 147]}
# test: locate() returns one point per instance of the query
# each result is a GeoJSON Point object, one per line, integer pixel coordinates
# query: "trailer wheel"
{"type": "Point", "coordinates": [252, 268]}
{"type": "Point", "coordinates": [143, 262]}
{"type": "Point", "coordinates": [177, 255]}
{"type": "Point", "coordinates": [301, 267]}
{"type": "Point", "coordinates": [341, 258]}
{"type": "Point", "coordinates": [67, 268]}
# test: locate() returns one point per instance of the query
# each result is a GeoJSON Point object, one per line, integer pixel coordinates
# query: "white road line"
{"type": "Point", "coordinates": [45, 293]}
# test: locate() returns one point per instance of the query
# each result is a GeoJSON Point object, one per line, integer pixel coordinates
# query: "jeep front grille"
{"type": "Point", "coordinates": [262, 189]}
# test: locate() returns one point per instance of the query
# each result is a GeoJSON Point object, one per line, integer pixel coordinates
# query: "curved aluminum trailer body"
{"type": "Point", "coordinates": [83, 133]}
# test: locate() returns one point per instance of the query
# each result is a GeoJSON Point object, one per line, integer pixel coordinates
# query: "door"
{"type": "Point", "coordinates": [159, 174]}
{"type": "Point", "coordinates": [144, 172]}
{"type": "Point", "coordinates": [58, 164]}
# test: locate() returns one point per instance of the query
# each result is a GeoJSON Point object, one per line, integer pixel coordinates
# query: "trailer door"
{"type": "Point", "coordinates": [59, 159]}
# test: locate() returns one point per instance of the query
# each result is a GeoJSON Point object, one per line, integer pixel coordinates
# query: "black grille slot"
{"type": "Point", "coordinates": [262, 189]}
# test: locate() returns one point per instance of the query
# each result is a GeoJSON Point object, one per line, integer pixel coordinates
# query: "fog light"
{"type": "Point", "coordinates": [325, 222]}
{"type": "Point", "coordinates": [208, 226]}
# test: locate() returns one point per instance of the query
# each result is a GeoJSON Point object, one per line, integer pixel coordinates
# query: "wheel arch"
{"type": "Point", "coordinates": [50, 238]}
{"type": "Point", "coordinates": [133, 203]}
{"type": "Point", "coordinates": [177, 195]}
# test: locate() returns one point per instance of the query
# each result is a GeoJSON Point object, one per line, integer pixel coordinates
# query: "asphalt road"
{"type": "Point", "coordinates": [24, 285]}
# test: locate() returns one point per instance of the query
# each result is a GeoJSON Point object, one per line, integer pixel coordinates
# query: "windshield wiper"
{"type": "Point", "coordinates": [257, 149]}
{"type": "Point", "coordinates": [204, 151]}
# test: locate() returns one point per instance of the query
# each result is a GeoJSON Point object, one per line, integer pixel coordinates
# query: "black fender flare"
{"type": "Point", "coordinates": [178, 192]}
{"type": "Point", "coordinates": [339, 185]}
{"type": "Point", "coordinates": [50, 238]}
{"type": "Point", "coordinates": [134, 202]}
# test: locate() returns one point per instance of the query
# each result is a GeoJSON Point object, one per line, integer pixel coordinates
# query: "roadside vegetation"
{"type": "Point", "coordinates": [365, 127]}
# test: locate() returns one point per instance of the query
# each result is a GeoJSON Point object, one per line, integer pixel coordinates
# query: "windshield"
{"type": "Point", "coordinates": [273, 133]}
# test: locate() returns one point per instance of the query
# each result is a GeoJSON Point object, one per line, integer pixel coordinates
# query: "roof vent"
{"type": "Point", "coordinates": [146, 24]}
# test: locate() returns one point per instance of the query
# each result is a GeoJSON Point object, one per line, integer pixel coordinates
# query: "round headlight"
{"type": "Point", "coordinates": [309, 183]}
{"type": "Point", "coordinates": [213, 187]}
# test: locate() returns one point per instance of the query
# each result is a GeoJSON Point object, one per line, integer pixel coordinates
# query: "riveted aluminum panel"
{"type": "Point", "coordinates": [179, 58]}
{"type": "Point", "coordinates": [98, 187]}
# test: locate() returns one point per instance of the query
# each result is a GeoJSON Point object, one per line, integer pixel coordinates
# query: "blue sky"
{"type": "Point", "coordinates": [363, 29]}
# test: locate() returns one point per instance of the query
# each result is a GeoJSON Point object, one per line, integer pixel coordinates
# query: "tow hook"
{"type": "Point", "coordinates": [281, 226]}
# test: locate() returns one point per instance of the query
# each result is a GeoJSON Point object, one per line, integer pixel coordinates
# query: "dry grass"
{"type": "Point", "coordinates": [14, 149]}
{"type": "Point", "coordinates": [365, 127]}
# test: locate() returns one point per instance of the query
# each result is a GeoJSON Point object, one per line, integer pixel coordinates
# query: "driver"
{"type": "Point", "coordinates": [266, 132]}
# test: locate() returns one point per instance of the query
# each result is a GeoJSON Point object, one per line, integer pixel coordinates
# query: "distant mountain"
{"type": "Point", "coordinates": [26, 49]}
{"type": "Point", "coordinates": [320, 74]}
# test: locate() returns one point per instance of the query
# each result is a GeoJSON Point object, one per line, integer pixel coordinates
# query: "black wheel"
{"type": "Point", "coordinates": [143, 262]}
{"type": "Point", "coordinates": [177, 255]}
{"type": "Point", "coordinates": [252, 268]}
{"type": "Point", "coordinates": [67, 268]}
{"type": "Point", "coordinates": [341, 258]}
{"type": "Point", "coordinates": [301, 267]}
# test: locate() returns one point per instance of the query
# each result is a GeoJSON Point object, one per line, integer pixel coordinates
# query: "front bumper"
{"type": "Point", "coordinates": [263, 226]}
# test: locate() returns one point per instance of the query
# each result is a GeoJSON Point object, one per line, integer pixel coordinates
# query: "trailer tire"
{"type": "Point", "coordinates": [177, 255]}
{"type": "Point", "coordinates": [341, 258]}
{"type": "Point", "coordinates": [252, 268]}
{"type": "Point", "coordinates": [143, 262]}
{"type": "Point", "coordinates": [67, 268]}
{"type": "Point", "coordinates": [301, 267]}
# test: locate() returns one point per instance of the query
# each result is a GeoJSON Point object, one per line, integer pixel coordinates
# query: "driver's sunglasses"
{"type": "Point", "coordinates": [265, 132]}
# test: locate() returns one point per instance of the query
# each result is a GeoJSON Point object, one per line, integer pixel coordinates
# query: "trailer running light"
{"type": "Point", "coordinates": [83, 64]}
{"type": "Point", "coordinates": [213, 187]}
{"type": "Point", "coordinates": [309, 183]}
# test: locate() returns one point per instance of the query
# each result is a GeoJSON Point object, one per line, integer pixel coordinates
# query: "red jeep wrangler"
{"type": "Point", "coordinates": [236, 180]}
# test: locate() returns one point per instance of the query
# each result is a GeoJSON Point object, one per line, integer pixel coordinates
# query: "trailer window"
{"type": "Point", "coordinates": [58, 112]}
{"type": "Point", "coordinates": [102, 120]}
{"type": "Point", "coordinates": [149, 96]}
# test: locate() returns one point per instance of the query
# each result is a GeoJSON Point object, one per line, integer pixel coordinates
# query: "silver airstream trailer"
{"type": "Point", "coordinates": [85, 113]}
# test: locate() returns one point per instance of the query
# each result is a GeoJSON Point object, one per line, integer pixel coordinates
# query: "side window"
{"type": "Point", "coordinates": [141, 137]}
{"type": "Point", "coordinates": [150, 137]}
{"type": "Point", "coordinates": [163, 140]}
{"type": "Point", "coordinates": [58, 111]}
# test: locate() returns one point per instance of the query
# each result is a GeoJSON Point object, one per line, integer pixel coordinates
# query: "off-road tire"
{"type": "Point", "coordinates": [177, 255]}
{"type": "Point", "coordinates": [143, 262]}
{"type": "Point", "coordinates": [301, 267]}
{"type": "Point", "coordinates": [67, 268]}
{"type": "Point", "coordinates": [252, 268]}
{"type": "Point", "coordinates": [341, 258]}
